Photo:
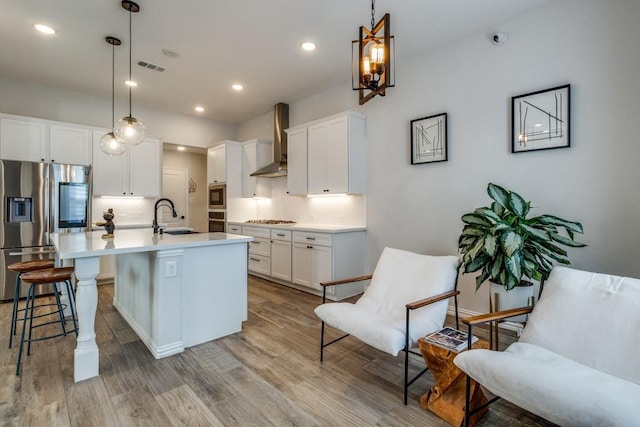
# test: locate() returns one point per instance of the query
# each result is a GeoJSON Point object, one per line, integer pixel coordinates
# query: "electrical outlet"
{"type": "Point", "coordinates": [172, 268]}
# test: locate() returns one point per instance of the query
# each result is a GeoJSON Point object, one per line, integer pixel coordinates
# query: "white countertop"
{"type": "Point", "coordinates": [324, 228]}
{"type": "Point", "coordinates": [82, 245]}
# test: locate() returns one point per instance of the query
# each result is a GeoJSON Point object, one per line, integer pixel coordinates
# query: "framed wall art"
{"type": "Point", "coordinates": [540, 120]}
{"type": "Point", "coordinates": [429, 139]}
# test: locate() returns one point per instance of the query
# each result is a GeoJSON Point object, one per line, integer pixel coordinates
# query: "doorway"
{"type": "Point", "coordinates": [174, 187]}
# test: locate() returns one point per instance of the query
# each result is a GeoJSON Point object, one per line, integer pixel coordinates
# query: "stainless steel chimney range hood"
{"type": "Point", "coordinates": [280, 123]}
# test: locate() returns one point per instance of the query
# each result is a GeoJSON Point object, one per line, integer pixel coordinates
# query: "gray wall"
{"type": "Point", "coordinates": [589, 44]}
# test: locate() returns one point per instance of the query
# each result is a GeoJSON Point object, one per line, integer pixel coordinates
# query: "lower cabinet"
{"type": "Point", "coordinates": [312, 265]}
{"type": "Point", "coordinates": [281, 254]}
{"type": "Point", "coordinates": [303, 259]}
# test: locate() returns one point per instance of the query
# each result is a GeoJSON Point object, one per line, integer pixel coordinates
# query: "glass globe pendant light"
{"type": "Point", "coordinates": [129, 130]}
{"type": "Point", "coordinates": [109, 144]}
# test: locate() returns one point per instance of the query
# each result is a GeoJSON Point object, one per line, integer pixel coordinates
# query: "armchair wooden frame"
{"type": "Point", "coordinates": [409, 308]}
{"type": "Point", "coordinates": [471, 322]}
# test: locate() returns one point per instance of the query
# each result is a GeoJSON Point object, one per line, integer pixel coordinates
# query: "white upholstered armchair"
{"type": "Point", "coordinates": [577, 362]}
{"type": "Point", "coordinates": [406, 299]}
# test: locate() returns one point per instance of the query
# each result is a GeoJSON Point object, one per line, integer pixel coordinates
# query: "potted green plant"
{"type": "Point", "coordinates": [507, 246]}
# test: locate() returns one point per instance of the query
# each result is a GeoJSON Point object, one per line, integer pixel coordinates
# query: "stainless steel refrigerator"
{"type": "Point", "coordinates": [37, 199]}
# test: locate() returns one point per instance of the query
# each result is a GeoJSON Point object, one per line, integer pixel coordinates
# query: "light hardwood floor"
{"type": "Point", "coordinates": [268, 375]}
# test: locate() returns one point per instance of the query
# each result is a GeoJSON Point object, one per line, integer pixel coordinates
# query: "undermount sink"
{"type": "Point", "coordinates": [174, 232]}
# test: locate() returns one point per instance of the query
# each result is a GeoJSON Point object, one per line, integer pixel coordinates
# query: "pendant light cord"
{"type": "Point", "coordinates": [113, 86]}
{"type": "Point", "coordinates": [130, 49]}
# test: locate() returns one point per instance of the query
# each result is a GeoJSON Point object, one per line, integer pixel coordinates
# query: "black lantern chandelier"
{"type": "Point", "coordinates": [129, 130]}
{"type": "Point", "coordinates": [373, 62]}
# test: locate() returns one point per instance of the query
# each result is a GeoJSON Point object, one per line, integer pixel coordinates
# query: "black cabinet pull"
{"type": "Point", "coordinates": [280, 234]}
{"type": "Point", "coordinates": [310, 238]}
{"type": "Point", "coordinates": [254, 259]}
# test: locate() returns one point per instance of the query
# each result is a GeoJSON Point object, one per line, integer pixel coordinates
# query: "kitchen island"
{"type": "Point", "coordinates": [176, 291]}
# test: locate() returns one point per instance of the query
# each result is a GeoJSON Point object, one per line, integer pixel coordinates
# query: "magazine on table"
{"type": "Point", "coordinates": [450, 338]}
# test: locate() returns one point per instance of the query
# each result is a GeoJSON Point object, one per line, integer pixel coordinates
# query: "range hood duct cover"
{"type": "Point", "coordinates": [280, 123]}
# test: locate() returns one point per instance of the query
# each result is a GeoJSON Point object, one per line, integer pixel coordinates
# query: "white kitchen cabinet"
{"type": "Point", "coordinates": [23, 138]}
{"type": "Point", "coordinates": [224, 166]}
{"type": "Point", "coordinates": [136, 172]}
{"type": "Point", "coordinates": [312, 265]}
{"type": "Point", "coordinates": [281, 254]}
{"type": "Point", "coordinates": [69, 144]}
{"type": "Point", "coordinates": [255, 155]}
{"type": "Point", "coordinates": [321, 257]}
{"type": "Point", "coordinates": [37, 140]}
{"type": "Point", "coordinates": [216, 164]}
{"type": "Point", "coordinates": [297, 162]}
{"type": "Point", "coordinates": [334, 157]}
{"type": "Point", "coordinates": [259, 249]}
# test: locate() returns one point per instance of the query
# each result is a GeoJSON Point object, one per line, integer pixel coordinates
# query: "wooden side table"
{"type": "Point", "coordinates": [446, 398]}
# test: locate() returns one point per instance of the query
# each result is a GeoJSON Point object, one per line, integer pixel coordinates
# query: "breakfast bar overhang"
{"type": "Point", "coordinates": [176, 291]}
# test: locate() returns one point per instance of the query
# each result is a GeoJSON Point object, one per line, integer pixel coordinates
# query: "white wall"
{"type": "Point", "coordinates": [46, 102]}
{"type": "Point", "coordinates": [587, 43]}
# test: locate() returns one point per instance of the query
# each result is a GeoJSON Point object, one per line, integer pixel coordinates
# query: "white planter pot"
{"type": "Point", "coordinates": [515, 298]}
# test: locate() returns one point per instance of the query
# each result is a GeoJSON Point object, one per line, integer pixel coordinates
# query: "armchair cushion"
{"type": "Point", "coordinates": [378, 318]}
{"type": "Point", "coordinates": [555, 387]}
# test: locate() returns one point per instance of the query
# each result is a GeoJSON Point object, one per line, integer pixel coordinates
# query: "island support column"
{"type": "Point", "coordinates": [86, 356]}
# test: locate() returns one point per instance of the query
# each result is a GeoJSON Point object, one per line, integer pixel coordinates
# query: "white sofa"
{"type": "Point", "coordinates": [577, 362]}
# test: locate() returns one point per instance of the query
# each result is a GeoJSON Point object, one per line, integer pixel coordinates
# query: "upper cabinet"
{"type": "Point", "coordinates": [217, 164]}
{"type": "Point", "coordinates": [334, 161]}
{"type": "Point", "coordinates": [255, 155]}
{"type": "Point", "coordinates": [297, 162]}
{"type": "Point", "coordinates": [69, 144]}
{"type": "Point", "coordinates": [37, 140]}
{"type": "Point", "coordinates": [224, 166]}
{"type": "Point", "coordinates": [137, 172]}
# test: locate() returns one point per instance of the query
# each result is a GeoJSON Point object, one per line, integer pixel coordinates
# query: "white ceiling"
{"type": "Point", "coordinates": [219, 42]}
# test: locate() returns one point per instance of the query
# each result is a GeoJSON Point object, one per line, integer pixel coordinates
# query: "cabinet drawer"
{"type": "Point", "coordinates": [260, 246]}
{"type": "Point", "coordinates": [284, 235]}
{"type": "Point", "coordinates": [265, 233]}
{"type": "Point", "coordinates": [322, 239]}
{"type": "Point", "coordinates": [260, 264]}
{"type": "Point", "coordinates": [234, 229]}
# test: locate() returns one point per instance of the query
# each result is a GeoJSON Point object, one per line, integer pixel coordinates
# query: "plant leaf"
{"type": "Point", "coordinates": [513, 265]}
{"type": "Point", "coordinates": [466, 241]}
{"type": "Point", "coordinates": [470, 230]}
{"type": "Point", "coordinates": [511, 282]}
{"type": "Point", "coordinates": [490, 244]}
{"type": "Point", "coordinates": [481, 279]}
{"type": "Point", "coordinates": [497, 208]}
{"type": "Point", "coordinates": [566, 241]}
{"type": "Point", "coordinates": [476, 264]}
{"type": "Point", "coordinates": [497, 266]}
{"type": "Point", "coordinates": [476, 219]}
{"type": "Point", "coordinates": [489, 213]}
{"type": "Point", "coordinates": [517, 205]}
{"type": "Point", "coordinates": [499, 194]}
{"type": "Point", "coordinates": [575, 227]}
{"type": "Point", "coordinates": [511, 242]}
{"type": "Point", "coordinates": [536, 232]}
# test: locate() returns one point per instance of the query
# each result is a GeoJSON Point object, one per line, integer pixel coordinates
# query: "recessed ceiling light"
{"type": "Point", "coordinates": [44, 29]}
{"type": "Point", "coordinates": [131, 83]}
{"type": "Point", "coordinates": [308, 46]}
{"type": "Point", "coordinates": [199, 109]}
{"type": "Point", "coordinates": [180, 148]}
{"type": "Point", "coordinates": [237, 86]}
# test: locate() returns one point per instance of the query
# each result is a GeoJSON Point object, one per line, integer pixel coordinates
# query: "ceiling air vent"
{"type": "Point", "coordinates": [151, 66]}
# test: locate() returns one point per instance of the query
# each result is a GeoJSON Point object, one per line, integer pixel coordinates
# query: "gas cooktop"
{"type": "Point", "coordinates": [270, 221]}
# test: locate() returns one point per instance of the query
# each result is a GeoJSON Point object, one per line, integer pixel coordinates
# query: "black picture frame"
{"type": "Point", "coordinates": [429, 139]}
{"type": "Point", "coordinates": [541, 120]}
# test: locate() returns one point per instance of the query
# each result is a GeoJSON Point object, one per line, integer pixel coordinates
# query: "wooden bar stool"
{"type": "Point", "coordinates": [45, 277]}
{"type": "Point", "coordinates": [23, 267]}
